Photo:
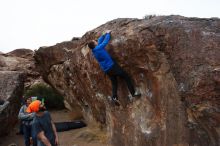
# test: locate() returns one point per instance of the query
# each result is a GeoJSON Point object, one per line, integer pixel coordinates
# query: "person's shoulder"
{"type": "Point", "coordinates": [35, 120]}
{"type": "Point", "coordinates": [24, 107]}
{"type": "Point", "coordinates": [46, 113]}
{"type": "Point", "coordinates": [97, 48]}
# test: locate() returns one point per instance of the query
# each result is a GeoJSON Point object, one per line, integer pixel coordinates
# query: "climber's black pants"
{"type": "Point", "coordinates": [113, 73]}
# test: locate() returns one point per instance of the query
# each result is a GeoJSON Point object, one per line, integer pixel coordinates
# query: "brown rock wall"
{"type": "Point", "coordinates": [11, 90]}
{"type": "Point", "coordinates": [174, 62]}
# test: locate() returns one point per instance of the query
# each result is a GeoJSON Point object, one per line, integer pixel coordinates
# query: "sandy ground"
{"type": "Point", "coordinates": [88, 136]}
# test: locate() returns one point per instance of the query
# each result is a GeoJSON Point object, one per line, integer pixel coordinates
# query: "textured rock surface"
{"type": "Point", "coordinates": [21, 60]}
{"type": "Point", "coordinates": [11, 90]}
{"type": "Point", "coordinates": [174, 62]}
{"type": "Point", "coordinates": [22, 53]}
{"type": "Point", "coordinates": [17, 69]}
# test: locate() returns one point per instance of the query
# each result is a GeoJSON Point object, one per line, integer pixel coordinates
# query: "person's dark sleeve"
{"type": "Point", "coordinates": [36, 128]}
{"type": "Point", "coordinates": [105, 41]}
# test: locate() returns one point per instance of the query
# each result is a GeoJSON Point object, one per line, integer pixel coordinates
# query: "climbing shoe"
{"type": "Point", "coordinates": [116, 101]}
{"type": "Point", "coordinates": [136, 94]}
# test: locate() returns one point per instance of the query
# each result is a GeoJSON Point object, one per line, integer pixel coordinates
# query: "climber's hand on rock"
{"type": "Point", "coordinates": [108, 31]}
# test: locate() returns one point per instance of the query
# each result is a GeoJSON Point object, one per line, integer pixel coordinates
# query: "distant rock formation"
{"type": "Point", "coordinates": [21, 60]}
{"type": "Point", "coordinates": [11, 90]}
{"type": "Point", "coordinates": [174, 62]}
{"type": "Point", "coordinates": [22, 53]}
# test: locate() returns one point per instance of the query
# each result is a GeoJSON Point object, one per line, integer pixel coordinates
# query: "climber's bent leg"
{"type": "Point", "coordinates": [128, 81]}
{"type": "Point", "coordinates": [114, 86]}
{"type": "Point", "coordinates": [117, 70]}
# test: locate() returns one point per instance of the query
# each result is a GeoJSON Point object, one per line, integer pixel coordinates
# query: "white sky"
{"type": "Point", "coordinates": [34, 23]}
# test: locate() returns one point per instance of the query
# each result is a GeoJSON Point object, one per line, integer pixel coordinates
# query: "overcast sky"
{"type": "Point", "coordinates": [34, 23]}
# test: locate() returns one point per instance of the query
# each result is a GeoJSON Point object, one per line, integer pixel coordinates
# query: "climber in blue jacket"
{"type": "Point", "coordinates": [110, 66]}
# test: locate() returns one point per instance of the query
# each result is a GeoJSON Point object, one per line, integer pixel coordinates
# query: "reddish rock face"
{"type": "Point", "coordinates": [174, 62]}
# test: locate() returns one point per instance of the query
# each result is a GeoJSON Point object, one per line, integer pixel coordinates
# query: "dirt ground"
{"type": "Point", "coordinates": [88, 136]}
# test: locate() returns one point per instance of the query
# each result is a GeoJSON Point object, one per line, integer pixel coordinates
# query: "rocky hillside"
{"type": "Point", "coordinates": [174, 62]}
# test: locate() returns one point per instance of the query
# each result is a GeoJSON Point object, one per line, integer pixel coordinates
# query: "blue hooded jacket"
{"type": "Point", "coordinates": [104, 59]}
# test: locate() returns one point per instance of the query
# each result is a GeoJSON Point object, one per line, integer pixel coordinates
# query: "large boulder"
{"type": "Point", "coordinates": [21, 60]}
{"type": "Point", "coordinates": [174, 62]}
{"type": "Point", "coordinates": [11, 90]}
